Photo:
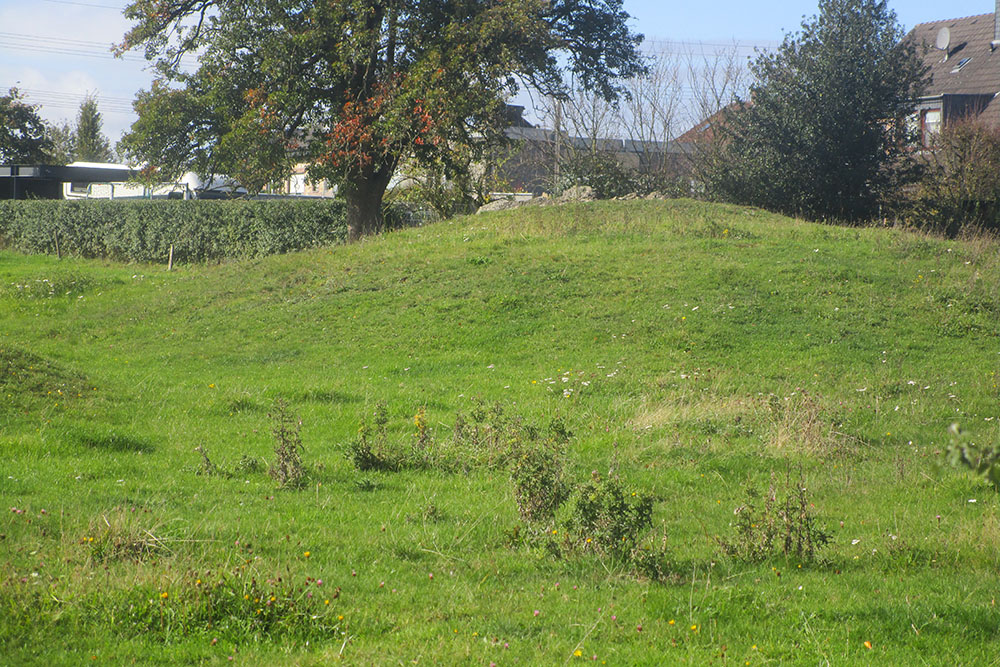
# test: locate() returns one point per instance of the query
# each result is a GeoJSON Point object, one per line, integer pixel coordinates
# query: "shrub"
{"type": "Point", "coordinates": [602, 173]}
{"type": "Point", "coordinates": [961, 180]}
{"type": "Point", "coordinates": [144, 231]}
{"type": "Point", "coordinates": [983, 459]}
{"type": "Point", "coordinates": [605, 517]}
{"type": "Point", "coordinates": [538, 475]}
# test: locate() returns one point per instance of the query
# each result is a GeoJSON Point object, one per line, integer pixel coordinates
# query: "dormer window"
{"type": "Point", "coordinates": [961, 63]}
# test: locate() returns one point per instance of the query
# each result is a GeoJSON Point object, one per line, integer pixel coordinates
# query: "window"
{"type": "Point", "coordinates": [930, 125]}
{"type": "Point", "coordinates": [961, 63]}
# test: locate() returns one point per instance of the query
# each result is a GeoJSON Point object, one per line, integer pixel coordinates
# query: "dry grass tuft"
{"type": "Point", "coordinates": [123, 535]}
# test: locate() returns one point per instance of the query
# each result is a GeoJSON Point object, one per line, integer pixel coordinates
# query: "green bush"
{"type": "Point", "coordinates": [961, 180]}
{"type": "Point", "coordinates": [607, 518]}
{"type": "Point", "coordinates": [144, 231]}
{"type": "Point", "coordinates": [602, 173]}
{"type": "Point", "coordinates": [984, 460]}
{"type": "Point", "coordinates": [539, 477]}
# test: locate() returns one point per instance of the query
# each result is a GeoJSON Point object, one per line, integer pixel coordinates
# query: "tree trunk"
{"type": "Point", "coordinates": [363, 196]}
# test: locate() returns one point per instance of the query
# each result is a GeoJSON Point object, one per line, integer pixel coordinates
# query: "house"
{"type": "Point", "coordinates": [963, 57]}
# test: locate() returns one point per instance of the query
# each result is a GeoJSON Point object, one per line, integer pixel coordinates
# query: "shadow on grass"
{"type": "Point", "coordinates": [110, 441]}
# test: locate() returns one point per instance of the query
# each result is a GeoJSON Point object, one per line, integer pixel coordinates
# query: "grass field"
{"type": "Point", "coordinates": [697, 351]}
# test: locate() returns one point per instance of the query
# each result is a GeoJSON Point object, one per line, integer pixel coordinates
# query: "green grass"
{"type": "Point", "coordinates": [703, 348]}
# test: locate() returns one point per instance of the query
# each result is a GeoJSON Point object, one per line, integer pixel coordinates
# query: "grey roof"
{"type": "Point", "coordinates": [970, 38]}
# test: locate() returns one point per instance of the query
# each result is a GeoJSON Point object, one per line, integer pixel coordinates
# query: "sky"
{"type": "Point", "coordinates": [58, 51]}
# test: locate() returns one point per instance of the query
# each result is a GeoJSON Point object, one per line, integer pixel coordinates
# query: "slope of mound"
{"type": "Point", "coordinates": [709, 357]}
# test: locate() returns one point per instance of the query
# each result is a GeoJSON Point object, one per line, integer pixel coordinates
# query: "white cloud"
{"type": "Point", "coordinates": [58, 53]}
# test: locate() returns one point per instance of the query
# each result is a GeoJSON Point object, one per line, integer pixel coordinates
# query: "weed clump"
{"type": "Point", "coordinates": [771, 525]}
{"type": "Point", "coordinates": [369, 450]}
{"type": "Point", "coordinates": [287, 468]}
{"type": "Point", "coordinates": [208, 468]}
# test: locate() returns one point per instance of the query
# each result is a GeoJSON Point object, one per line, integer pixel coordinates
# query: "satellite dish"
{"type": "Point", "coordinates": [943, 39]}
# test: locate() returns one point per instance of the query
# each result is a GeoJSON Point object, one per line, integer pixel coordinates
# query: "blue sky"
{"type": "Point", "coordinates": [56, 51]}
{"type": "Point", "coordinates": [768, 20]}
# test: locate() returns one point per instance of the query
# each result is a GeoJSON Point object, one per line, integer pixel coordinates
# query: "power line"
{"type": "Point", "coordinates": [81, 42]}
{"type": "Point", "coordinates": [59, 100]}
{"type": "Point", "coordinates": [84, 4]}
{"type": "Point", "coordinates": [65, 47]}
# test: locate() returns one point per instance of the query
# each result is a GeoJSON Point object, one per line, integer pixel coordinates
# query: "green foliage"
{"type": "Point", "coordinates": [825, 130]}
{"type": "Point", "coordinates": [208, 468]}
{"type": "Point", "coordinates": [61, 138]}
{"type": "Point", "coordinates": [599, 171]}
{"type": "Point", "coordinates": [984, 460]}
{"type": "Point", "coordinates": [609, 178]}
{"type": "Point", "coordinates": [89, 142]}
{"type": "Point", "coordinates": [355, 86]}
{"type": "Point", "coordinates": [143, 231]}
{"type": "Point", "coordinates": [233, 604]}
{"type": "Point", "coordinates": [457, 185]}
{"type": "Point", "coordinates": [606, 517]}
{"type": "Point", "coordinates": [538, 474]}
{"type": "Point", "coordinates": [772, 525]}
{"type": "Point", "coordinates": [960, 184]}
{"type": "Point", "coordinates": [23, 138]}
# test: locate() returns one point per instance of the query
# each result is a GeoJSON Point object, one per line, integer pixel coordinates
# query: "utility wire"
{"type": "Point", "coordinates": [79, 48]}
{"type": "Point", "coordinates": [84, 4]}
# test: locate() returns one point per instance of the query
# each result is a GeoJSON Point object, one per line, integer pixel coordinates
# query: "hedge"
{"type": "Point", "coordinates": [144, 230]}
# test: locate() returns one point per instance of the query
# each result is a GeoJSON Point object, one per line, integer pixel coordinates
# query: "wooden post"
{"type": "Point", "coordinates": [55, 235]}
{"type": "Point", "coordinates": [170, 260]}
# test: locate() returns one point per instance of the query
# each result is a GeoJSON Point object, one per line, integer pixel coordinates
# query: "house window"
{"type": "Point", "coordinates": [930, 125]}
{"type": "Point", "coordinates": [961, 63]}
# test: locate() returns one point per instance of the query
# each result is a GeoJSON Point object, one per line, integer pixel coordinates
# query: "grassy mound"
{"type": "Point", "coordinates": [474, 404]}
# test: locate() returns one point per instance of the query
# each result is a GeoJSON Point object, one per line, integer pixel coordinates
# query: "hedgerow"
{"type": "Point", "coordinates": [144, 231]}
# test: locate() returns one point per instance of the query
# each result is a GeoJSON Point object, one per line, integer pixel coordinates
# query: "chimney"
{"type": "Point", "coordinates": [996, 28]}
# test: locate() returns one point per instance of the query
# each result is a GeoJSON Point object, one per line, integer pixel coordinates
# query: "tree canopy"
{"type": "Point", "coordinates": [355, 86]}
{"type": "Point", "coordinates": [825, 130]}
{"type": "Point", "coordinates": [22, 131]}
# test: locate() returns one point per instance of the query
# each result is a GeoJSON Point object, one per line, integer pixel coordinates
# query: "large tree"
{"type": "Point", "coordinates": [825, 129]}
{"type": "Point", "coordinates": [22, 131]}
{"type": "Point", "coordinates": [355, 85]}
